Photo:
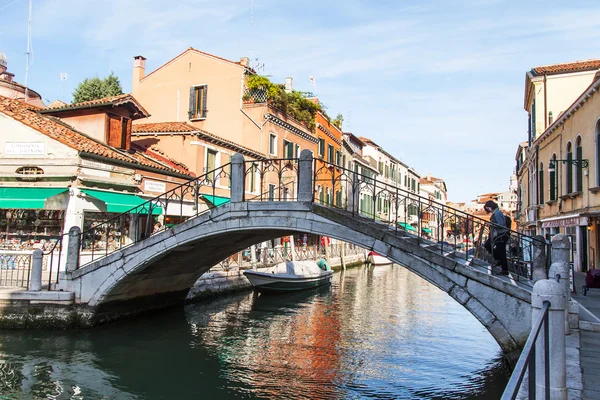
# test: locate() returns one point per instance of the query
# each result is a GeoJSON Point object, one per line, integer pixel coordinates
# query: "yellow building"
{"type": "Point", "coordinates": [551, 96]}
{"type": "Point", "coordinates": [567, 167]}
{"type": "Point", "coordinates": [550, 89]}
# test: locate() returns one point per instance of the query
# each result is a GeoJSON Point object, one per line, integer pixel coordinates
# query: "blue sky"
{"type": "Point", "coordinates": [439, 84]}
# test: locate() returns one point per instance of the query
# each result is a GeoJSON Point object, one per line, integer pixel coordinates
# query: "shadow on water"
{"type": "Point", "coordinates": [374, 333]}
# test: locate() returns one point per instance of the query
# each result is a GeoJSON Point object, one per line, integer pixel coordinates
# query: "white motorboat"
{"type": "Point", "coordinates": [376, 259]}
{"type": "Point", "coordinates": [290, 275]}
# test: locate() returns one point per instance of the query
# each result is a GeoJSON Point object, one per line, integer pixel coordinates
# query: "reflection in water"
{"type": "Point", "coordinates": [377, 332]}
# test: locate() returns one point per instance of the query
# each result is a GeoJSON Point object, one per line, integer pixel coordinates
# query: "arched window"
{"type": "Point", "coordinates": [579, 170]}
{"type": "Point", "coordinates": [569, 169]}
{"type": "Point", "coordinates": [553, 181]}
{"type": "Point", "coordinates": [541, 183]}
{"type": "Point", "coordinates": [29, 173]}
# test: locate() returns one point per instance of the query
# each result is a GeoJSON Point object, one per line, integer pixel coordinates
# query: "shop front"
{"type": "Point", "coordinates": [575, 227]}
{"type": "Point", "coordinates": [112, 220]}
{"type": "Point", "coordinates": [30, 217]}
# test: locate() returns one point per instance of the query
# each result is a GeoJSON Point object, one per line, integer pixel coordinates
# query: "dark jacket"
{"type": "Point", "coordinates": [500, 228]}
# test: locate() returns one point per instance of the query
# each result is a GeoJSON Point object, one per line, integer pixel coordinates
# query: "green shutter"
{"type": "Point", "coordinates": [204, 98]}
{"type": "Point", "coordinates": [192, 102]}
{"type": "Point", "coordinates": [541, 187]}
{"type": "Point", "coordinates": [579, 169]}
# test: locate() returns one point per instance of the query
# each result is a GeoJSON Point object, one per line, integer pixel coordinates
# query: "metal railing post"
{"type": "Point", "coordinates": [305, 176]}
{"type": "Point", "coordinates": [74, 245]}
{"type": "Point", "coordinates": [551, 291]}
{"type": "Point", "coordinates": [538, 270]}
{"type": "Point", "coordinates": [237, 178]}
{"type": "Point", "coordinates": [35, 283]}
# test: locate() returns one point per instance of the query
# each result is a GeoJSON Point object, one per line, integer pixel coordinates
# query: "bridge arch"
{"type": "Point", "coordinates": [160, 270]}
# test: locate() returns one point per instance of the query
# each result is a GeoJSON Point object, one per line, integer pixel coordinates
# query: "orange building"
{"type": "Point", "coordinates": [209, 93]}
{"type": "Point", "coordinates": [329, 151]}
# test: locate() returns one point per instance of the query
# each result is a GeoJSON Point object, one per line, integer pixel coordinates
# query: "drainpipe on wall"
{"type": "Point", "coordinates": [545, 103]}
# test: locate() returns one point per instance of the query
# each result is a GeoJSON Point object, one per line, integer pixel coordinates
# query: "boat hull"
{"type": "Point", "coordinates": [376, 259]}
{"type": "Point", "coordinates": [272, 283]}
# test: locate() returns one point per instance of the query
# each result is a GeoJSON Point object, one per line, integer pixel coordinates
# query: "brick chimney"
{"type": "Point", "coordinates": [139, 71]}
{"type": "Point", "coordinates": [244, 61]}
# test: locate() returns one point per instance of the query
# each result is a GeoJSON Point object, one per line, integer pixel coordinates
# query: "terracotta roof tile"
{"type": "Point", "coordinates": [577, 66]}
{"type": "Point", "coordinates": [184, 127]}
{"type": "Point", "coordinates": [105, 101]}
{"type": "Point", "coordinates": [164, 127]}
{"type": "Point", "coordinates": [61, 132]}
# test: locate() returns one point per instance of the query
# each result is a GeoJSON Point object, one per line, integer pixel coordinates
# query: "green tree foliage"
{"type": "Point", "coordinates": [96, 88]}
{"type": "Point", "coordinates": [338, 120]}
{"type": "Point", "coordinates": [295, 103]}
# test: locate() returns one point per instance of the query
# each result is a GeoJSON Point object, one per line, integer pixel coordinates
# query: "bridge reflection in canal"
{"type": "Point", "coordinates": [377, 332]}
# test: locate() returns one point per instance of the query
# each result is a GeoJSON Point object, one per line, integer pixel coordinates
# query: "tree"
{"type": "Point", "coordinates": [338, 120]}
{"type": "Point", "coordinates": [96, 88]}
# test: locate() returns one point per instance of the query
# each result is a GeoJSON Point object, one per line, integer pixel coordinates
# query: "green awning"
{"type": "Point", "coordinates": [406, 226]}
{"type": "Point", "coordinates": [426, 230]}
{"type": "Point", "coordinates": [27, 197]}
{"type": "Point", "coordinates": [122, 202]}
{"type": "Point", "coordinates": [216, 200]}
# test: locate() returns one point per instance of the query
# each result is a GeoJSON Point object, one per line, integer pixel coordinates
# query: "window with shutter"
{"type": "Point", "coordinates": [288, 149]}
{"type": "Point", "coordinates": [198, 97]}
{"type": "Point", "coordinates": [211, 157]}
{"type": "Point", "coordinates": [569, 168]}
{"type": "Point", "coordinates": [579, 166]}
{"type": "Point", "coordinates": [272, 144]}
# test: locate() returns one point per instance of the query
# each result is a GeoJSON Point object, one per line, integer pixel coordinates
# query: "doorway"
{"type": "Point", "coordinates": [583, 260]}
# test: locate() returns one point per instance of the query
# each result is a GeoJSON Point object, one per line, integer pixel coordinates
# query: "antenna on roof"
{"type": "Point", "coordinates": [28, 51]}
{"type": "Point", "coordinates": [251, 27]}
{"type": "Point", "coordinates": [63, 77]}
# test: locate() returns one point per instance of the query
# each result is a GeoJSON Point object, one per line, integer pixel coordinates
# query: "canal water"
{"type": "Point", "coordinates": [377, 332]}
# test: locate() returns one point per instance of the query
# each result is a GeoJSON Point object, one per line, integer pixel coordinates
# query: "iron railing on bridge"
{"type": "Point", "coordinates": [405, 211]}
{"type": "Point", "coordinates": [265, 180]}
{"type": "Point", "coordinates": [424, 218]}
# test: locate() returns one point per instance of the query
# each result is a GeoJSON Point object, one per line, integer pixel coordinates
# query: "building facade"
{"type": "Point", "coordinates": [209, 93]}
{"type": "Point", "coordinates": [557, 169]}
{"type": "Point", "coordinates": [75, 166]}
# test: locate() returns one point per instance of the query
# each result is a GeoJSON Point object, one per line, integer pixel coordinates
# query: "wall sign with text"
{"type": "Point", "coordinates": [25, 149]}
{"type": "Point", "coordinates": [153, 186]}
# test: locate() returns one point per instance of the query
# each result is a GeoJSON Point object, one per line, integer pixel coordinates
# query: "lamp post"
{"type": "Point", "coordinates": [575, 162]}
{"type": "Point", "coordinates": [579, 163]}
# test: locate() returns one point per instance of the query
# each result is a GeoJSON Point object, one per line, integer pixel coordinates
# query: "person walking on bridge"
{"type": "Point", "coordinates": [496, 242]}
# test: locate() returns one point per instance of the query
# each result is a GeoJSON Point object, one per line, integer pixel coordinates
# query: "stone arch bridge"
{"type": "Point", "coordinates": [159, 270]}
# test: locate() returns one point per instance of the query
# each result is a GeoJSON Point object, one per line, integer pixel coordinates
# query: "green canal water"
{"type": "Point", "coordinates": [377, 332]}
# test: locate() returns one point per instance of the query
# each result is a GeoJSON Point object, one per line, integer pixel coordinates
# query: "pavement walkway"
{"type": "Point", "coordinates": [589, 339]}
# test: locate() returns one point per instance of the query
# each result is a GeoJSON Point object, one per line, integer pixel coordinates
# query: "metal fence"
{"type": "Point", "coordinates": [410, 214]}
{"type": "Point", "coordinates": [15, 268]}
{"type": "Point", "coordinates": [267, 257]}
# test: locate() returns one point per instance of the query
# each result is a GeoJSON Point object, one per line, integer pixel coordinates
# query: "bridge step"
{"type": "Point", "coordinates": [475, 262]}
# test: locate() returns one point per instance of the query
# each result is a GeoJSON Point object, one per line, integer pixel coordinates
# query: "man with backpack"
{"type": "Point", "coordinates": [499, 235]}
